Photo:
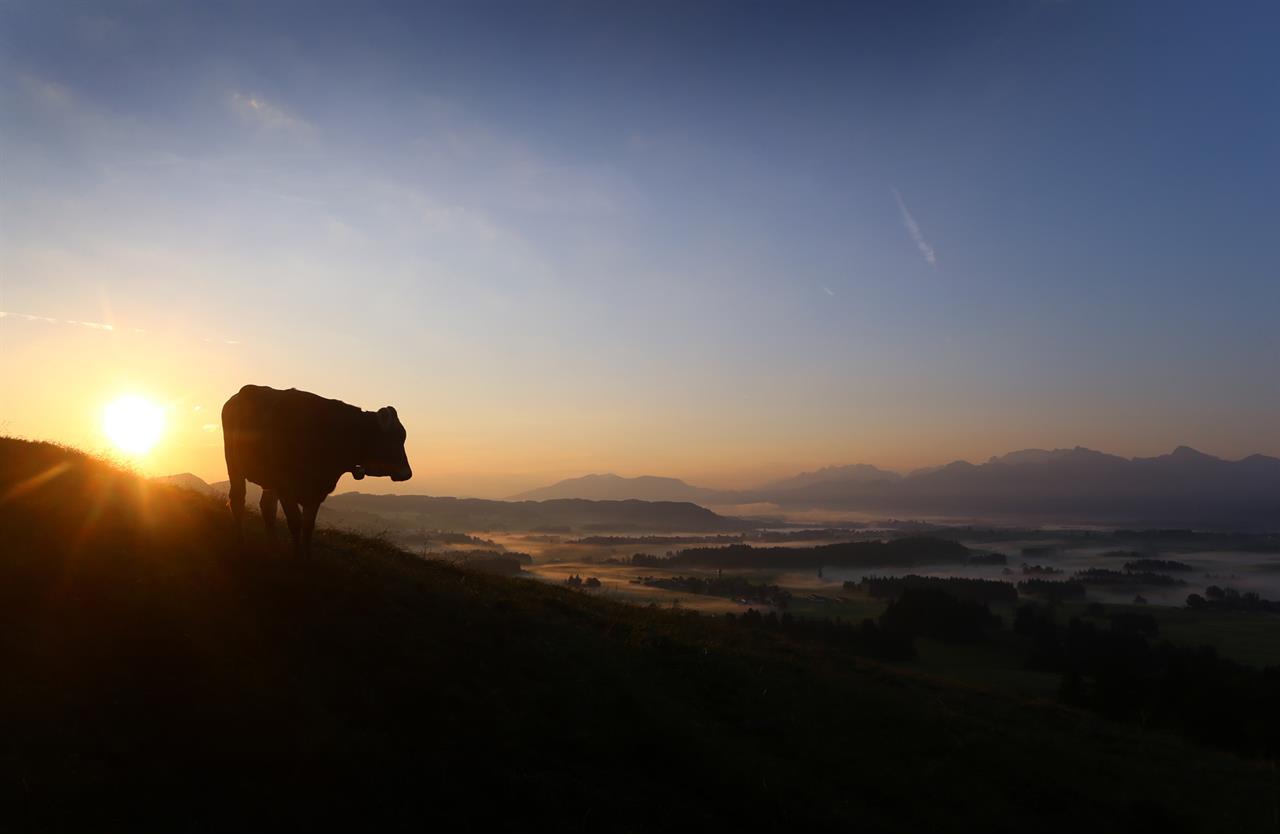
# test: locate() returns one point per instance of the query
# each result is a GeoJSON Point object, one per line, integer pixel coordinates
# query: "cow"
{"type": "Point", "coordinates": [296, 445]}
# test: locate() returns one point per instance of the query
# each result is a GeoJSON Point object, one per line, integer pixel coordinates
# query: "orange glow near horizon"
{"type": "Point", "coordinates": [470, 436]}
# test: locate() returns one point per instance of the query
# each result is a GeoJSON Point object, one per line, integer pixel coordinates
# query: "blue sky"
{"type": "Point", "coordinates": [719, 241]}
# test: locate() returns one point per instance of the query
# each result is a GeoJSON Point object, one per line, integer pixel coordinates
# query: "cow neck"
{"type": "Point", "coordinates": [367, 435]}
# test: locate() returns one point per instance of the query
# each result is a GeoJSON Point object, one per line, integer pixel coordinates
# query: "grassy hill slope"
{"type": "Point", "coordinates": [153, 674]}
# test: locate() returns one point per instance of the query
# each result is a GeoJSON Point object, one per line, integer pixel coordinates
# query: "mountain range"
{"type": "Point", "coordinates": [1185, 487]}
{"type": "Point", "coordinates": [652, 488]}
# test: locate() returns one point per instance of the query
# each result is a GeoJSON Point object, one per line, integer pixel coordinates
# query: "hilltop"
{"type": "Point", "coordinates": [156, 676]}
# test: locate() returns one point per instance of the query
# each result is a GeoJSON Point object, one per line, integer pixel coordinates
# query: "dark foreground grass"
{"type": "Point", "coordinates": [154, 678]}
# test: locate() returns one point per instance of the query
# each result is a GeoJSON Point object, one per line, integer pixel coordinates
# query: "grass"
{"type": "Point", "coordinates": [154, 676]}
{"type": "Point", "coordinates": [996, 667]}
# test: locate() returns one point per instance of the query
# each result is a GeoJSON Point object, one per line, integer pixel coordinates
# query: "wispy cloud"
{"type": "Point", "coordinates": [914, 229]}
{"type": "Point", "coordinates": [45, 91]}
{"type": "Point", "coordinates": [100, 326]}
{"type": "Point", "coordinates": [828, 291]}
{"type": "Point", "coordinates": [271, 116]}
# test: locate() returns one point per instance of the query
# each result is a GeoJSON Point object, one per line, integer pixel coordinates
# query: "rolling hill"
{"type": "Point", "coordinates": [158, 676]}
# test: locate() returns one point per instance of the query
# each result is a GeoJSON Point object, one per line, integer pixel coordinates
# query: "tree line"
{"type": "Point", "coordinates": [914, 550]}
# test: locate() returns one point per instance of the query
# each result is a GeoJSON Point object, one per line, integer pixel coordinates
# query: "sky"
{"type": "Point", "coordinates": [718, 241]}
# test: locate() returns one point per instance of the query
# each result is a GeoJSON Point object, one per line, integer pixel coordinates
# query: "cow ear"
{"type": "Point", "coordinates": [386, 418]}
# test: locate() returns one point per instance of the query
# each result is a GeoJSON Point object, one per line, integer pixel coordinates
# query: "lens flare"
{"type": "Point", "coordinates": [133, 424]}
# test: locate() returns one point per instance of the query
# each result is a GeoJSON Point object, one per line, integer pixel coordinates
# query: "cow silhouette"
{"type": "Point", "coordinates": [296, 445]}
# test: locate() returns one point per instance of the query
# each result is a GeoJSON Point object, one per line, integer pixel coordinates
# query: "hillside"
{"type": "Point", "coordinates": [158, 678]}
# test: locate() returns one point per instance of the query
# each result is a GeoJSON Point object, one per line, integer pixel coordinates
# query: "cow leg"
{"type": "Point", "coordinates": [268, 507]}
{"type": "Point", "coordinates": [308, 526]}
{"type": "Point", "coordinates": [294, 517]}
{"type": "Point", "coordinates": [235, 498]}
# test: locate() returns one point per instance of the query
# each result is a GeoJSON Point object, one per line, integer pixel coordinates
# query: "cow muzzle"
{"type": "Point", "coordinates": [402, 475]}
{"type": "Point", "coordinates": [358, 473]}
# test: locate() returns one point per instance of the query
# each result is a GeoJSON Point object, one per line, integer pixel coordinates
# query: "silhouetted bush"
{"type": "Point", "coordinates": [929, 612]}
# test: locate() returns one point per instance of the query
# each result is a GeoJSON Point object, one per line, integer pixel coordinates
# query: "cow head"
{"type": "Point", "coordinates": [385, 454]}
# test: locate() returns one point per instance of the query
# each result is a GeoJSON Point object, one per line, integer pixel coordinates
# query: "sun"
{"type": "Point", "coordinates": [134, 424]}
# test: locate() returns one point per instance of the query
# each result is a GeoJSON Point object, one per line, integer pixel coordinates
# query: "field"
{"type": "Point", "coordinates": [1249, 637]}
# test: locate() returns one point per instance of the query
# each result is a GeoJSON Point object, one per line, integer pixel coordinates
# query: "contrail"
{"type": "Point", "coordinates": [914, 228]}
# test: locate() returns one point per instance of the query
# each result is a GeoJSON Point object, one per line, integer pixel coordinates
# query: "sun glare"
{"type": "Point", "coordinates": [133, 424]}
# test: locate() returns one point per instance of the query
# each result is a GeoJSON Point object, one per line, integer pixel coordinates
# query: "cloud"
{"type": "Point", "coordinates": [257, 109]}
{"type": "Point", "coordinates": [828, 291]}
{"type": "Point", "coordinates": [48, 93]}
{"type": "Point", "coordinates": [100, 326]}
{"type": "Point", "coordinates": [914, 228]}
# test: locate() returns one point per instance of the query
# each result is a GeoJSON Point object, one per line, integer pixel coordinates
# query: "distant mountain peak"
{"type": "Point", "coordinates": [1043, 456]}
{"type": "Point", "coordinates": [1024, 456]}
{"type": "Point", "coordinates": [609, 486]}
{"type": "Point", "coordinates": [1184, 455]}
{"type": "Point", "coordinates": [851, 472]}
{"type": "Point", "coordinates": [1188, 452]}
{"type": "Point", "coordinates": [186, 480]}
